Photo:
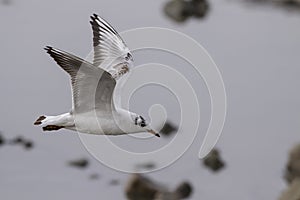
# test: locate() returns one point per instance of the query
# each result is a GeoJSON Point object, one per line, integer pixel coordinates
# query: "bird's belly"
{"type": "Point", "coordinates": [99, 125]}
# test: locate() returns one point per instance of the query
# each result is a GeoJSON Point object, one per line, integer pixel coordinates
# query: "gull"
{"type": "Point", "coordinates": [93, 84]}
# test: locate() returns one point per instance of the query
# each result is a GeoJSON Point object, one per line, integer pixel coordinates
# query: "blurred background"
{"type": "Point", "coordinates": [256, 45]}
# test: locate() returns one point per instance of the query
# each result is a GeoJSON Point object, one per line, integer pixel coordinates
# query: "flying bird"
{"type": "Point", "coordinates": [93, 110]}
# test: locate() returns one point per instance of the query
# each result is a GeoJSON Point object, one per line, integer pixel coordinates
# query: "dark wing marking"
{"type": "Point", "coordinates": [92, 87]}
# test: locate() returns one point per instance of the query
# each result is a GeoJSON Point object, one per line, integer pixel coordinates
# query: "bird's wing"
{"type": "Point", "coordinates": [92, 87]}
{"type": "Point", "coordinates": [110, 51]}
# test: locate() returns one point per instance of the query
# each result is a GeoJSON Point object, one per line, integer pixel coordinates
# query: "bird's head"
{"type": "Point", "coordinates": [128, 57]}
{"type": "Point", "coordinates": [141, 123]}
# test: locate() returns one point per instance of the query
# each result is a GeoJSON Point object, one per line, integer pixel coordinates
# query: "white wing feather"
{"type": "Point", "coordinates": [110, 51]}
{"type": "Point", "coordinates": [92, 87]}
{"type": "Point", "coordinates": [93, 84]}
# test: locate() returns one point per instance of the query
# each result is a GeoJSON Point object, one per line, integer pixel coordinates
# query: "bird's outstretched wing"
{"type": "Point", "coordinates": [110, 51]}
{"type": "Point", "coordinates": [92, 87]}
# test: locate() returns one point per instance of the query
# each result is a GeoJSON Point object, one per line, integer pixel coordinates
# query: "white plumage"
{"type": "Point", "coordinates": [93, 85]}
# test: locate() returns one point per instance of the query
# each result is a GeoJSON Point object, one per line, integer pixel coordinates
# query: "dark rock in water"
{"type": "Point", "coordinates": [17, 140]}
{"type": "Point", "coordinates": [2, 140]}
{"type": "Point", "coordinates": [80, 163]}
{"type": "Point", "coordinates": [114, 182]}
{"type": "Point", "coordinates": [184, 190]}
{"type": "Point", "coordinates": [28, 145]}
{"type": "Point", "coordinates": [175, 9]}
{"type": "Point", "coordinates": [6, 2]}
{"type": "Point", "coordinates": [168, 129]}
{"type": "Point", "coordinates": [292, 170]}
{"type": "Point", "coordinates": [180, 10]}
{"type": "Point", "coordinates": [199, 8]}
{"type": "Point", "coordinates": [292, 192]}
{"type": "Point", "coordinates": [94, 176]}
{"type": "Point", "coordinates": [140, 187]}
{"type": "Point", "coordinates": [148, 166]}
{"type": "Point", "coordinates": [213, 161]}
{"type": "Point", "coordinates": [289, 5]}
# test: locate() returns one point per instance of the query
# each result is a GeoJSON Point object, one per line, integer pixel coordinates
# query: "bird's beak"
{"type": "Point", "coordinates": [153, 132]}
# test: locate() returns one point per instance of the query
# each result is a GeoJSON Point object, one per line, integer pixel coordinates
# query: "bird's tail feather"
{"type": "Point", "coordinates": [52, 128]}
{"type": "Point", "coordinates": [40, 120]}
{"type": "Point", "coordinates": [53, 123]}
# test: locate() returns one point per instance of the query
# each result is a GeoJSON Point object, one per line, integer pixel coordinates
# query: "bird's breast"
{"type": "Point", "coordinates": [96, 124]}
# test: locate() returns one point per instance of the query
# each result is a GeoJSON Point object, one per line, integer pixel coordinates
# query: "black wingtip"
{"type": "Point", "coordinates": [94, 16]}
{"type": "Point", "coordinates": [48, 48]}
{"type": "Point", "coordinates": [157, 135]}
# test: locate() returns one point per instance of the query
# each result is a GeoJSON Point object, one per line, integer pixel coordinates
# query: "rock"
{"type": "Point", "coordinates": [6, 2]}
{"type": "Point", "coordinates": [180, 10]}
{"type": "Point", "coordinates": [80, 163]}
{"type": "Point", "coordinates": [17, 140]}
{"type": "Point", "coordinates": [168, 129]}
{"type": "Point", "coordinates": [114, 182]}
{"type": "Point", "coordinates": [176, 10]}
{"type": "Point", "coordinates": [292, 170]}
{"type": "Point", "coordinates": [147, 166]}
{"type": "Point", "coordinates": [94, 176]}
{"type": "Point", "coordinates": [292, 175]}
{"type": "Point", "coordinates": [213, 161]}
{"type": "Point", "coordinates": [292, 192]}
{"type": "Point", "coordinates": [200, 8]}
{"type": "Point", "coordinates": [2, 140]}
{"type": "Point", "coordinates": [28, 145]}
{"type": "Point", "coordinates": [289, 5]}
{"type": "Point", "coordinates": [184, 190]}
{"type": "Point", "coordinates": [140, 187]}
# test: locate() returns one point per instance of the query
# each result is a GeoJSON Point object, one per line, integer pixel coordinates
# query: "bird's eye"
{"type": "Point", "coordinates": [140, 121]}
{"type": "Point", "coordinates": [128, 56]}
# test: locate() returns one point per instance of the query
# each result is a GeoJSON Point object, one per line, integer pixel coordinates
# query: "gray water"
{"type": "Point", "coordinates": [256, 49]}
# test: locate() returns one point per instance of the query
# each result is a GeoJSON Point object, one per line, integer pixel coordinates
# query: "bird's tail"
{"type": "Point", "coordinates": [53, 123]}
